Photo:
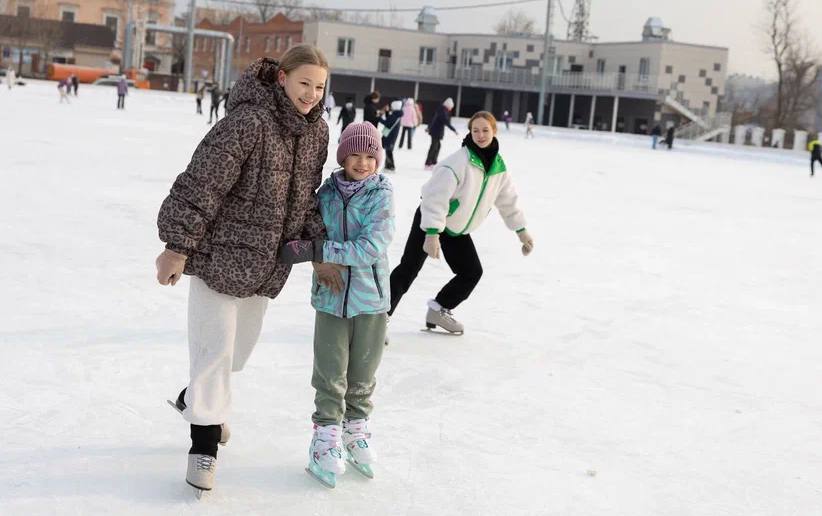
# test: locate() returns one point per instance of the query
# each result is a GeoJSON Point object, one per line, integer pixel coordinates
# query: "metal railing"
{"type": "Point", "coordinates": [698, 129]}
{"type": "Point", "coordinates": [518, 76]}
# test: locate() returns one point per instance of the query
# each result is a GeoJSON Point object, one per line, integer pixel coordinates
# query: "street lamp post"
{"type": "Point", "coordinates": [544, 69]}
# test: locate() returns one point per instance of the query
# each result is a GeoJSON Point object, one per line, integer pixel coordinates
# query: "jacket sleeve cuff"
{"type": "Point", "coordinates": [179, 250]}
{"type": "Point", "coordinates": [520, 230]}
{"type": "Point", "coordinates": [432, 231]}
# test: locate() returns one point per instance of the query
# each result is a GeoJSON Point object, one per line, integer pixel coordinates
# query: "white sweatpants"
{"type": "Point", "coordinates": [222, 332]}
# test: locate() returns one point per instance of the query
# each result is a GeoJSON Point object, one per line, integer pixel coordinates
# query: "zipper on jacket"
{"type": "Point", "coordinates": [345, 239]}
{"type": "Point", "coordinates": [376, 279]}
{"type": "Point", "coordinates": [479, 200]}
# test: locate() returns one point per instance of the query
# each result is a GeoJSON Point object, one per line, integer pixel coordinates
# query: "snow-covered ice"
{"type": "Point", "coordinates": [658, 354]}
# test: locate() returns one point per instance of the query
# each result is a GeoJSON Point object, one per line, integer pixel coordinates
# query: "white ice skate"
{"type": "Point", "coordinates": [325, 460]}
{"type": "Point", "coordinates": [180, 406]}
{"type": "Point", "coordinates": [358, 450]}
{"type": "Point", "coordinates": [201, 472]}
{"type": "Point", "coordinates": [438, 316]}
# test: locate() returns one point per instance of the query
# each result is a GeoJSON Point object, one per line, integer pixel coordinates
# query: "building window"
{"type": "Point", "coordinates": [151, 36]}
{"type": "Point", "coordinates": [267, 44]}
{"type": "Point", "coordinates": [467, 57]}
{"type": "Point", "coordinates": [682, 79]}
{"type": "Point", "coordinates": [572, 59]}
{"type": "Point", "coordinates": [427, 55]}
{"type": "Point", "coordinates": [247, 45]}
{"type": "Point", "coordinates": [287, 42]}
{"type": "Point", "coordinates": [23, 11]}
{"type": "Point", "coordinates": [703, 73]}
{"type": "Point", "coordinates": [345, 47]}
{"type": "Point", "coordinates": [669, 69]}
{"type": "Point", "coordinates": [276, 43]}
{"type": "Point", "coordinates": [384, 60]}
{"type": "Point", "coordinates": [714, 91]}
{"type": "Point", "coordinates": [67, 15]}
{"type": "Point", "coordinates": [112, 22]}
{"type": "Point", "coordinates": [600, 66]}
{"type": "Point", "coordinates": [503, 61]}
{"type": "Point", "coordinates": [717, 67]}
{"type": "Point", "coordinates": [709, 82]}
{"type": "Point", "coordinates": [706, 106]}
{"type": "Point", "coordinates": [529, 48]}
{"type": "Point", "coordinates": [644, 67]}
{"type": "Point", "coordinates": [590, 54]}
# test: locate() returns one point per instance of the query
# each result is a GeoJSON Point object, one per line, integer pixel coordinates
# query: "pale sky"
{"type": "Point", "coordinates": [726, 23]}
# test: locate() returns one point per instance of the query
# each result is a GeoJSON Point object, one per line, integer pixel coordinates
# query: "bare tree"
{"type": "Point", "coordinates": [780, 34]}
{"type": "Point", "coordinates": [515, 23]}
{"type": "Point", "coordinates": [796, 70]}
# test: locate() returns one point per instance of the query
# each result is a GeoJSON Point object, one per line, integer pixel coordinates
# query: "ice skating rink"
{"type": "Point", "coordinates": [660, 352]}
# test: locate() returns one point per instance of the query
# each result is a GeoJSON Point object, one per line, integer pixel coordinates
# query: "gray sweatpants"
{"type": "Point", "coordinates": [347, 353]}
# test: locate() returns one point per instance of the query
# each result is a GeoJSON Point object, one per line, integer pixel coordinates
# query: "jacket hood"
{"type": "Point", "coordinates": [258, 87]}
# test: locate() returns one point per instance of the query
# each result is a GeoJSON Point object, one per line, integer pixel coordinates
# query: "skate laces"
{"type": "Point", "coordinates": [206, 463]}
{"type": "Point", "coordinates": [447, 315]}
{"type": "Point", "coordinates": [327, 438]}
{"type": "Point", "coordinates": [355, 430]}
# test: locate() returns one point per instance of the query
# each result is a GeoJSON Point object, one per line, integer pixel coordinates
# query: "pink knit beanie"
{"type": "Point", "coordinates": [361, 137]}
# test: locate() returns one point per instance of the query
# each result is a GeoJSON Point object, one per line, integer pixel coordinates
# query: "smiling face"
{"type": "Point", "coordinates": [482, 132]}
{"type": "Point", "coordinates": [304, 86]}
{"type": "Point", "coordinates": [359, 165]}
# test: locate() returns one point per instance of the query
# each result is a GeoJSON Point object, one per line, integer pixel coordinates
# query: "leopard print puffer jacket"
{"type": "Point", "coordinates": [250, 185]}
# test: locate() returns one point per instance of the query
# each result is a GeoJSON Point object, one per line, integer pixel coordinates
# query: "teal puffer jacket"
{"type": "Point", "coordinates": [359, 232]}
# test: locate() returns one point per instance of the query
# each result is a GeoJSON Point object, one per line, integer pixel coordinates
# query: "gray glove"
{"type": "Point", "coordinates": [298, 251]}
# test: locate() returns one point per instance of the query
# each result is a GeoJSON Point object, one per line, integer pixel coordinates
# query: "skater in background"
{"type": "Point", "coordinates": [330, 104]}
{"type": "Point", "coordinates": [371, 113]}
{"type": "Point", "coordinates": [224, 230]}
{"type": "Point", "coordinates": [506, 117]}
{"type": "Point", "coordinates": [815, 148]}
{"type": "Point", "coordinates": [11, 77]}
{"type": "Point", "coordinates": [349, 330]}
{"type": "Point", "coordinates": [226, 96]}
{"type": "Point", "coordinates": [64, 87]}
{"type": "Point", "coordinates": [455, 201]}
{"type": "Point", "coordinates": [410, 121]}
{"type": "Point", "coordinates": [390, 131]}
{"type": "Point", "coordinates": [347, 114]}
{"type": "Point", "coordinates": [75, 83]}
{"type": "Point", "coordinates": [216, 98]}
{"type": "Point", "coordinates": [656, 132]}
{"type": "Point", "coordinates": [669, 136]}
{"type": "Point", "coordinates": [436, 129]}
{"type": "Point", "coordinates": [529, 125]}
{"type": "Point", "coordinates": [199, 98]}
{"type": "Point", "coordinates": [122, 91]}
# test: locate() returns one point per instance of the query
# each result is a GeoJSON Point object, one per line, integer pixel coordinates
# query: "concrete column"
{"type": "Point", "coordinates": [593, 110]}
{"type": "Point", "coordinates": [571, 111]}
{"type": "Point", "coordinates": [515, 105]}
{"type": "Point", "coordinates": [800, 140]}
{"type": "Point", "coordinates": [489, 100]}
{"type": "Point", "coordinates": [416, 91]}
{"type": "Point", "coordinates": [740, 132]}
{"type": "Point", "coordinates": [757, 135]}
{"type": "Point", "coordinates": [551, 109]}
{"type": "Point", "coordinates": [778, 138]}
{"type": "Point", "coordinates": [373, 83]}
{"type": "Point", "coordinates": [459, 100]}
{"type": "Point", "coordinates": [615, 114]}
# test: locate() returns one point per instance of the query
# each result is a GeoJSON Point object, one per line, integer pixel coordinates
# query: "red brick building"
{"type": "Point", "coordinates": [251, 41]}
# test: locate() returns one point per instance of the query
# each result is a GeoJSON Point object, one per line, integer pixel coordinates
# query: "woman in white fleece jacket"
{"type": "Point", "coordinates": [455, 201]}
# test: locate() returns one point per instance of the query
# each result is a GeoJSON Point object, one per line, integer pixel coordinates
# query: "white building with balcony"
{"type": "Point", "coordinates": [626, 87]}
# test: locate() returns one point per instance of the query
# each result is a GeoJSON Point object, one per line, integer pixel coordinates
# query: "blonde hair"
{"type": "Point", "coordinates": [303, 54]}
{"type": "Point", "coordinates": [487, 116]}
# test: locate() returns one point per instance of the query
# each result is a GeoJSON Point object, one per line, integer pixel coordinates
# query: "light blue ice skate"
{"type": "Point", "coordinates": [325, 455]}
